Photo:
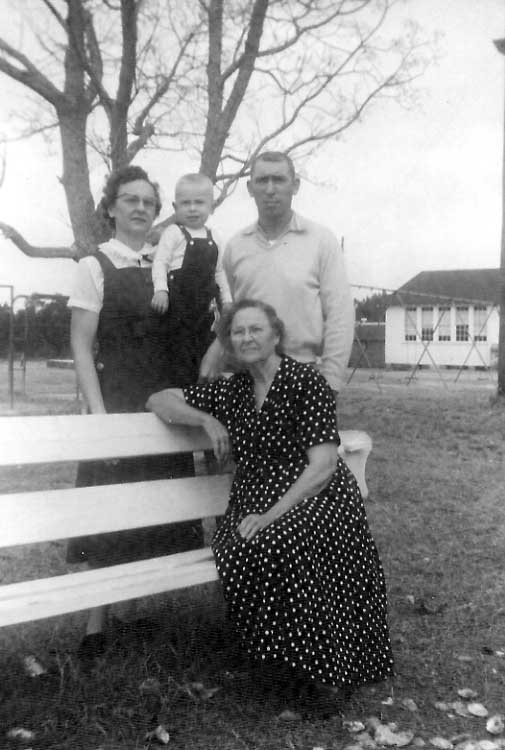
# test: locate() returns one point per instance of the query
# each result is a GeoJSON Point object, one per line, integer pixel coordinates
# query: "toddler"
{"type": "Point", "coordinates": [188, 277]}
{"type": "Point", "coordinates": [188, 236]}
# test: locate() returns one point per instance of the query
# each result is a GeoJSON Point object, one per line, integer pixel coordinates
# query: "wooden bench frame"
{"type": "Point", "coordinates": [47, 515]}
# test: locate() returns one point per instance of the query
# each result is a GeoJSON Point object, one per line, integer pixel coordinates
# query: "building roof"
{"type": "Point", "coordinates": [436, 287]}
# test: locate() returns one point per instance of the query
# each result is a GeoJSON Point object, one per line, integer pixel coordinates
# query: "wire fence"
{"type": "Point", "coordinates": [418, 337]}
{"type": "Point", "coordinates": [448, 335]}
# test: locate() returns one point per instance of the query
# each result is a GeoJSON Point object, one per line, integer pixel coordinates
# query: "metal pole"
{"type": "Point", "coordinates": [500, 46]}
{"type": "Point", "coordinates": [10, 355]}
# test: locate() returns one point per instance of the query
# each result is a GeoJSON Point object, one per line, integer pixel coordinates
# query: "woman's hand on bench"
{"type": "Point", "coordinates": [219, 437]}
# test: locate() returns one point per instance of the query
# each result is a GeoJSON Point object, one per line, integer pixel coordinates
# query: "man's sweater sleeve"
{"type": "Point", "coordinates": [338, 312]}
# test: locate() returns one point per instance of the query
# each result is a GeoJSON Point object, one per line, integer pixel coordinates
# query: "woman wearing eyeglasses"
{"type": "Point", "coordinates": [121, 353]}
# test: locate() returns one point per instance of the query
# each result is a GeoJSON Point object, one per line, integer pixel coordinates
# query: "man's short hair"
{"type": "Point", "coordinates": [274, 156]}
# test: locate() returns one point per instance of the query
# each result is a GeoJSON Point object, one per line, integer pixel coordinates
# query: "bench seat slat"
{"type": "Point", "coordinates": [30, 517]}
{"type": "Point", "coordinates": [33, 600]}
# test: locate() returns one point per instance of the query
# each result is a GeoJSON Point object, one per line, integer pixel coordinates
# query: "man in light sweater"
{"type": "Point", "coordinates": [297, 267]}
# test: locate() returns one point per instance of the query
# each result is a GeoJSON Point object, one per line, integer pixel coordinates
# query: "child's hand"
{"type": "Point", "coordinates": [160, 302]}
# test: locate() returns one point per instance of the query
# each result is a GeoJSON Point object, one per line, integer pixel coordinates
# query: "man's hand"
{"type": "Point", "coordinates": [211, 366]}
{"type": "Point", "coordinates": [251, 524]}
{"type": "Point", "coordinates": [219, 437]}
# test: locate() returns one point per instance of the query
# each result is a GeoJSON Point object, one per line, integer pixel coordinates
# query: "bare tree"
{"type": "Point", "coordinates": [118, 77]}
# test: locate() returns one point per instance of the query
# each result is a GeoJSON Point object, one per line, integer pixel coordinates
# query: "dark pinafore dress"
{"type": "Point", "coordinates": [134, 360]}
{"type": "Point", "coordinates": [194, 299]}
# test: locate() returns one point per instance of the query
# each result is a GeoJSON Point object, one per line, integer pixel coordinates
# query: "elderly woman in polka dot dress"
{"type": "Point", "coordinates": [300, 571]}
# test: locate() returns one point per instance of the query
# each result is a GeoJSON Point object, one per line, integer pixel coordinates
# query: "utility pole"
{"type": "Point", "coordinates": [500, 46]}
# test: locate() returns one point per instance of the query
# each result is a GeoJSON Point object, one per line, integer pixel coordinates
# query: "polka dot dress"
{"type": "Point", "coordinates": [308, 590]}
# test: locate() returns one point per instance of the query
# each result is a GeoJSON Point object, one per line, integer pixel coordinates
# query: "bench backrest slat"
{"type": "Point", "coordinates": [72, 437]}
{"type": "Point", "coordinates": [43, 516]}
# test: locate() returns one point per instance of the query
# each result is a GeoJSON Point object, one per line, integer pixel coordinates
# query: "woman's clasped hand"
{"type": "Point", "coordinates": [251, 524]}
{"type": "Point", "coordinates": [219, 437]}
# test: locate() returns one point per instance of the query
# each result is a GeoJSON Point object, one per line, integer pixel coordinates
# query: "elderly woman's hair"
{"type": "Point", "coordinates": [122, 177]}
{"type": "Point", "coordinates": [225, 324]}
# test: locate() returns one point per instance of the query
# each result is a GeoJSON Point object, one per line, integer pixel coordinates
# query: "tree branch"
{"type": "Point", "coordinates": [30, 76]}
{"type": "Point", "coordinates": [78, 25]}
{"type": "Point", "coordinates": [129, 48]}
{"type": "Point", "coordinates": [163, 87]}
{"type": "Point", "coordinates": [270, 51]}
{"type": "Point", "coordinates": [35, 251]}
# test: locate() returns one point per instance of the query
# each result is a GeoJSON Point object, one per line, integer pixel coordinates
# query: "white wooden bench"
{"type": "Point", "coordinates": [47, 515]}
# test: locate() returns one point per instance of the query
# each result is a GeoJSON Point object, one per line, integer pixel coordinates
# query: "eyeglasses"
{"type": "Point", "coordinates": [135, 200]}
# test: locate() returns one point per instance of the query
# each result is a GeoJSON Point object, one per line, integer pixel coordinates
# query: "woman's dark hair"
{"type": "Point", "coordinates": [225, 324]}
{"type": "Point", "coordinates": [114, 182]}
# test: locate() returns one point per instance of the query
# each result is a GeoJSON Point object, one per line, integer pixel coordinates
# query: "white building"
{"type": "Point", "coordinates": [441, 318]}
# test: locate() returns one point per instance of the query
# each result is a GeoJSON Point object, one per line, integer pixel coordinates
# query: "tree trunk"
{"type": "Point", "coordinates": [75, 180]}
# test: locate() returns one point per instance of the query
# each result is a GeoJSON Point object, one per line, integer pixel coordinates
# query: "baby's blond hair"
{"type": "Point", "coordinates": [194, 179]}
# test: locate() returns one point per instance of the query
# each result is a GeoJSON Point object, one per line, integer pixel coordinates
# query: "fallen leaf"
{"type": "Point", "coordinates": [467, 693]}
{"type": "Point", "coordinates": [198, 686]}
{"type": "Point", "coordinates": [418, 742]}
{"type": "Point", "coordinates": [466, 745]}
{"type": "Point", "coordinates": [33, 667]}
{"type": "Point", "coordinates": [384, 735]}
{"type": "Point", "coordinates": [18, 733]}
{"type": "Point", "coordinates": [460, 708]}
{"type": "Point", "coordinates": [487, 745]}
{"type": "Point", "coordinates": [366, 742]}
{"type": "Point", "coordinates": [388, 701]}
{"type": "Point", "coordinates": [409, 704]}
{"type": "Point", "coordinates": [429, 607]}
{"type": "Point", "coordinates": [353, 726]}
{"type": "Point", "coordinates": [441, 743]}
{"type": "Point", "coordinates": [441, 706]}
{"type": "Point", "coordinates": [199, 690]}
{"type": "Point", "coordinates": [160, 734]}
{"type": "Point", "coordinates": [288, 715]}
{"type": "Point", "coordinates": [457, 739]}
{"type": "Point", "coordinates": [495, 725]}
{"type": "Point", "coordinates": [208, 693]}
{"type": "Point", "coordinates": [410, 598]}
{"type": "Point", "coordinates": [477, 709]}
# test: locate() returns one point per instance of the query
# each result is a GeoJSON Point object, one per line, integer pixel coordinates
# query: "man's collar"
{"type": "Point", "coordinates": [297, 224]}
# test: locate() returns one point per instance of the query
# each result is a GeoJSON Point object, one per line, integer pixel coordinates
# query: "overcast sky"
{"type": "Point", "coordinates": [409, 190]}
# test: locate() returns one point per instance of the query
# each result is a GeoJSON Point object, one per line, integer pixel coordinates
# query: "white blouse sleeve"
{"type": "Point", "coordinates": [87, 288]}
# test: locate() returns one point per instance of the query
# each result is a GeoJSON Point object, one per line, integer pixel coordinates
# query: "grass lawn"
{"type": "Point", "coordinates": [437, 512]}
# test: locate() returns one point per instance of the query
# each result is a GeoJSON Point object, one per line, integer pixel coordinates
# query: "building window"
{"type": "Point", "coordinates": [444, 324]}
{"type": "Point", "coordinates": [462, 326]}
{"type": "Point", "coordinates": [480, 323]}
{"type": "Point", "coordinates": [410, 323]}
{"type": "Point", "coordinates": [427, 323]}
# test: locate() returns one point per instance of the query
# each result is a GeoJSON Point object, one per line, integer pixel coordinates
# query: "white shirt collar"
{"type": "Point", "coordinates": [118, 251]}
